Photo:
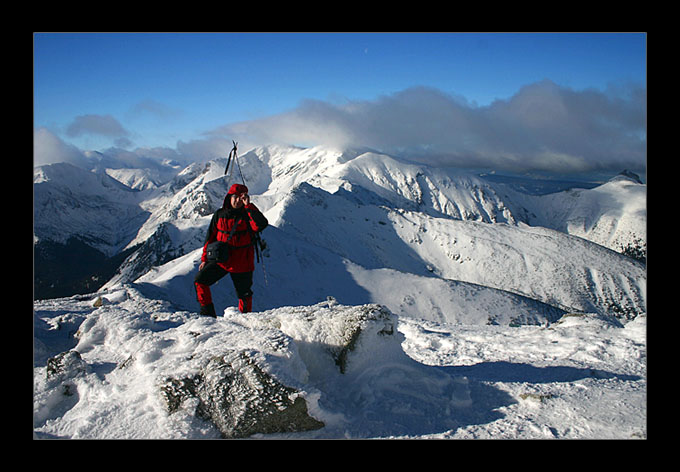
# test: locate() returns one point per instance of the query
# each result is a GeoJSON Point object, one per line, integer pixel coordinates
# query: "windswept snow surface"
{"type": "Point", "coordinates": [583, 376]}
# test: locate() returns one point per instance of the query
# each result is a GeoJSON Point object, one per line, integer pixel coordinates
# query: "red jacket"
{"type": "Point", "coordinates": [242, 252]}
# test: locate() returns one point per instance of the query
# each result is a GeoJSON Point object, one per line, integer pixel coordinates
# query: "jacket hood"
{"type": "Point", "coordinates": [236, 189]}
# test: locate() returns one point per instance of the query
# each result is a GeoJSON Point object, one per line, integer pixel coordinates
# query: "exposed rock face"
{"type": "Point", "coordinates": [240, 398]}
{"type": "Point", "coordinates": [65, 365]}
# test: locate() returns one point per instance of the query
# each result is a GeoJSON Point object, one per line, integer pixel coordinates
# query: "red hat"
{"type": "Point", "coordinates": [237, 189]}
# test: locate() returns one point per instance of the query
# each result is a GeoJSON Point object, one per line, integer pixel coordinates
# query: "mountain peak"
{"type": "Point", "coordinates": [625, 174]}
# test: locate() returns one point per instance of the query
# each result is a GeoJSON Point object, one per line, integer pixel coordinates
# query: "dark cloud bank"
{"type": "Point", "coordinates": [542, 128]}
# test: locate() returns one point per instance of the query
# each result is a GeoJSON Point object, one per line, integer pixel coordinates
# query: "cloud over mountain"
{"type": "Point", "coordinates": [544, 126]}
{"type": "Point", "coordinates": [50, 149]}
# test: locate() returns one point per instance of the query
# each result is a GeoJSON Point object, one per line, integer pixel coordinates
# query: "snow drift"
{"type": "Point", "coordinates": [122, 365]}
{"type": "Point", "coordinates": [136, 369]}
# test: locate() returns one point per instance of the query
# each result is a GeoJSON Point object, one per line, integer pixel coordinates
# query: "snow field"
{"type": "Point", "coordinates": [583, 376]}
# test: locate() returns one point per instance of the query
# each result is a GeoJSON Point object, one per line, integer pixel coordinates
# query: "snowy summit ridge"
{"type": "Point", "coordinates": [394, 300]}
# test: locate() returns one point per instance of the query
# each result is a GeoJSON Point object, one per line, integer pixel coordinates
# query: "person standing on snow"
{"type": "Point", "coordinates": [234, 225]}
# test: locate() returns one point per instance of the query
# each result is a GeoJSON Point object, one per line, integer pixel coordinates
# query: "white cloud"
{"type": "Point", "coordinates": [205, 149]}
{"type": "Point", "coordinates": [49, 149]}
{"type": "Point", "coordinates": [542, 127]}
{"type": "Point", "coordinates": [102, 125]}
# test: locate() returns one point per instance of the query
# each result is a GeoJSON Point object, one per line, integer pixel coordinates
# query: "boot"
{"type": "Point", "coordinates": [245, 305]}
{"type": "Point", "coordinates": [208, 310]}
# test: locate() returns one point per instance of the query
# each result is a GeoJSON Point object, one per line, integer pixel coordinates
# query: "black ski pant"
{"type": "Point", "coordinates": [211, 273]}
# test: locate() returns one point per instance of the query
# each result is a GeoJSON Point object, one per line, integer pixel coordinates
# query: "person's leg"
{"type": "Point", "coordinates": [243, 281]}
{"type": "Point", "coordinates": [210, 274]}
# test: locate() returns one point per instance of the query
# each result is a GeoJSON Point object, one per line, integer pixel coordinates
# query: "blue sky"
{"type": "Point", "coordinates": [138, 90]}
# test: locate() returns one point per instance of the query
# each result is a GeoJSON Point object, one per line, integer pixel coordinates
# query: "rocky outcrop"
{"type": "Point", "coordinates": [65, 365]}
{"type": "Point", "coordinates": [142, 370]}
{"type": "Point", "coordinates": [236, 390]}
{"type": "Point", "coordinates": [240, 398]}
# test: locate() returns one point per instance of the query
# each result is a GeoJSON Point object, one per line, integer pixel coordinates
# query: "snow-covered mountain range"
{"type": "Point", "coordinates": [429, 245]}
{"type": "Point", "coordinates": [365, 219]}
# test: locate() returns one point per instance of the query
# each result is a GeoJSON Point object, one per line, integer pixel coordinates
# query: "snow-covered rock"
{"type": "Point", "coordinates": [138, 370]}
{"type": "Point", "coordinates": [136, 367]}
